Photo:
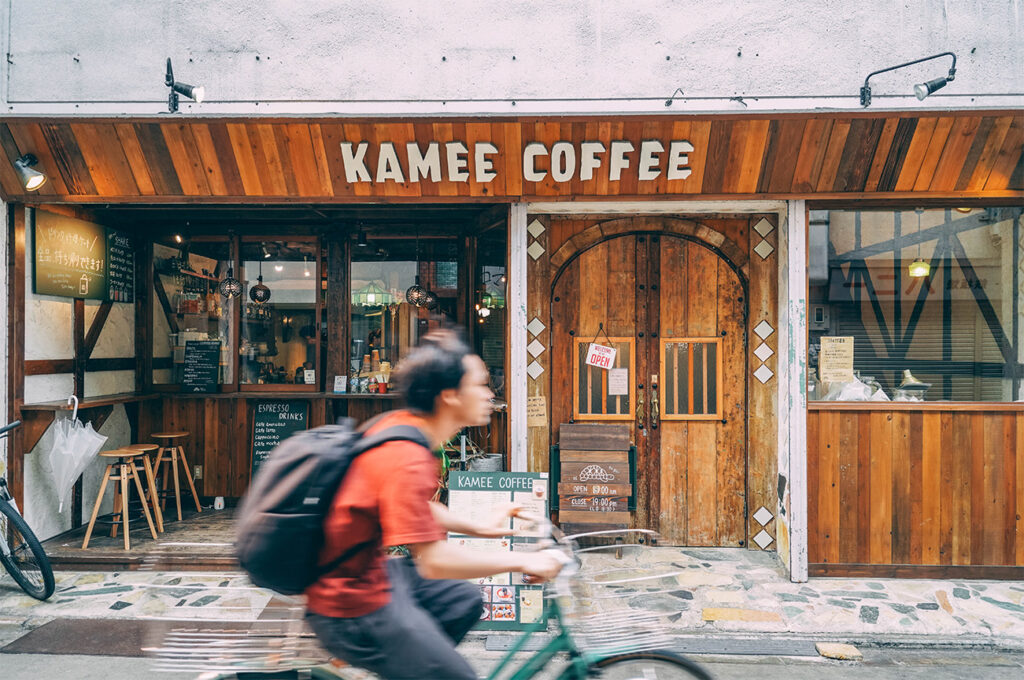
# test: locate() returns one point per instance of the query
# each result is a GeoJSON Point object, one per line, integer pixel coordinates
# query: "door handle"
{"type": "Point", "coordinates": [640, 408]}
{"type": "Point", "coordinates": [655, 411]}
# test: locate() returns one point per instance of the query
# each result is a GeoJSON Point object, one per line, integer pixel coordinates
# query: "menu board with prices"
{"type": "Point", "coordinates": [202, 366]}
{"type": "Point", "coordinates": [510, 603]}
{"type": "Point", "coordinates": [272, 423]}
{"type": "Point", "coordinates": [120, 267]}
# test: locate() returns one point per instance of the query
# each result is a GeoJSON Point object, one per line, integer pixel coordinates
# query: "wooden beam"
{"type": "Point", "coordinates": [144, 317]}
{"type": "Point", "coordinates": [78, 322]}
{"type": "Point", "coordinates": [49, 366]}
{"type": "Point", "coordinates": [165, 304]}
{"type": "Point", "coordinates": [96, 328]}
{"type": "Point", "coordinates": [16, 220]}
{"type": "Point", "coordinates": [34, 424]}
{"type": "Point", "coordinates": [338, 309]}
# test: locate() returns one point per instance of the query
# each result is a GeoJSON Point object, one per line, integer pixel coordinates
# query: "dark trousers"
{"type": "Point", "coordinates": [414, 635]}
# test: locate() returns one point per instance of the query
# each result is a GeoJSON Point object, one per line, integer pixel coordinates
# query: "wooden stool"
{"type": "Point", "coordinates": [145, 450]}
{"type": "Point", "coordinates": [125, 464]}
{"type": "Point", "coordinates": [172, 453]}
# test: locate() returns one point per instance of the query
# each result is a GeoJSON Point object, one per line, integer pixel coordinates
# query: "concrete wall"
{"type": "Point", "coordinates": [49, 323]}
{"type": "Point", "coordinates": [97, 56]}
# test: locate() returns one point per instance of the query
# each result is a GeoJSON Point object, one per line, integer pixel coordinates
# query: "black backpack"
{"type": "Point", "coordinates": [280, 521]}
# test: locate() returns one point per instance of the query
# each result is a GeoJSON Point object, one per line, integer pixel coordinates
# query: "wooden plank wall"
{"type": "Point", "coordinates": [927, 488]}
{"type": "Point", "coordinates": [968, 153]}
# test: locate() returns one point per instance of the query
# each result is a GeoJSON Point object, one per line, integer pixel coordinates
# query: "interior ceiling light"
{"type": "Point", "coordinates": [362, 242]}
{"type": "Point", "coordinates": [266, 253]}
{"type": "Point", "coordinates": [194, 92]}
{"type": "Point", "coordinates": [230, 287]}
{"type": "Point", "coordinates": [178, 239]}
{"type": "Point", "coordinates": [278, 267]}
{"type": "Point", "coordinates": [30, 178]}
{"type": "Point", "coordinates": [921, 90]}
{"type": "Point", "coordinates": [919, 268]}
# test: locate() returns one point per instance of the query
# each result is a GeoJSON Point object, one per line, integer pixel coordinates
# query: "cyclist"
{"type": "Point", "coordinates": [402, 617]}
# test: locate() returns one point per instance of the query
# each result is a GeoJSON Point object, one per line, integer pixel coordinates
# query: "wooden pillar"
{"type": "Point", "coordinates": [16, 215]}
{"type": "Point", "coordinates": [339, 307]}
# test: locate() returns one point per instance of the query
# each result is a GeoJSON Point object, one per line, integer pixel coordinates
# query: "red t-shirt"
{"type": "Point", "coordinates": [382, 500]}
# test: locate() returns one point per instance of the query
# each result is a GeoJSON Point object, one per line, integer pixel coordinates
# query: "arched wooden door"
{"type": "Point", "coordinates": [674, 310]}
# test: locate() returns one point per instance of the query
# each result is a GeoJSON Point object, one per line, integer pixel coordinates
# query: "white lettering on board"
{"type": "Point", "coordinates": [388, 166]}
{"type": "Point", "coordinates": [589, 160]}
{"type": "Point", "coordinates": [563, 161]}
{"type": "Point", "coordinates": [421, 165]}
{"type": "Point", "coordinates": [530, 153]}
{"type": "Point", "coordinates": [619, 161]}
{"type": "Point", "coordinates": [483, 165]}
{"type": "Point", "coordinates": [649, 162]}
{"type": "Point", "coordinates": [678, 160]}
{"type": "Point", "coordinates": [355, 165]}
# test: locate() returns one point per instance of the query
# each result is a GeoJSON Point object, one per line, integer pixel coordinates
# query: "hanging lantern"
{"type": "Point", "coordinates": [416, 295]}
{"type": "Point", "coordinates": [259, 292]}
{"type": "Point", "coordinates": [429, 300]}
{"type": "Point", "coordinates": [230, 287]}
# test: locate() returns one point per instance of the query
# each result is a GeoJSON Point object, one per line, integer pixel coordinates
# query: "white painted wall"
{"type": "Point", "coordinates": [465, 56]}
{"type": "Point", "coordinates": [49, 335]}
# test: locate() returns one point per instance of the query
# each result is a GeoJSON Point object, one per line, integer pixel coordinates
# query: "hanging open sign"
{"type": "Point", "coordinates": [600, 356]}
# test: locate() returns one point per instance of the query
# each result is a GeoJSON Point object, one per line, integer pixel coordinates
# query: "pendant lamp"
{"type": "Point", "coordinates": [259, 292]}
{"type": "Point", "coordinates": [416, 295]}
{"type": "Point", "coordinates": [230, 287]}
{"type": "Point", "coordinates": [919, 268]}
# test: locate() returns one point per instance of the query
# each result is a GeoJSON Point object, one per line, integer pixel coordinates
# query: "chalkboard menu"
{"type": "Point", "coordinates": [69, 256]}
{"type": "Point", "coordinates": [272, 423]}
{"type": "Point", "coordinates": [510, 602]}
{"type": "Point", "coordinates": [120, 267]}
{"type": "Point", "coordinates": [202, 366]}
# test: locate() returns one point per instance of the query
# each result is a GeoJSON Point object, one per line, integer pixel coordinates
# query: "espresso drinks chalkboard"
{"type": "Point", "coordinates": [70, 257]}
{"type": "Point", "coordinates": [202, 366]}
{"type": "Point", "coordinates": [120, 267]}
{"type": "Point", "coordinates": [272, 423]}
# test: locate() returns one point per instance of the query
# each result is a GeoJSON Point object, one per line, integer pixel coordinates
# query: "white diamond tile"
{"type": "Point", "coordinates": [763, 516]}
{"type": "Point", "coordinates": [764, 374]}
{"type": "Point", "coordinates": [763, 352]}
{"type": "Point", "coordinates": [534, 369]}
{"type": "Point", "coordinates": [763, 329]}
{"type": "Point", "coordinates": [535, 348]}
{"type": "Point", "coordinates": [764, 227]}
{"type": "Point", "coordinates": [536, 327]}
{"type": "Point", "coordinates": [535, 250]}
{"type": "Point", "coordinates": [763, 539]}
{"type": "Point", "coordinates": [764, 249]}
{"type": "Point", "coordinates": [535, 228]}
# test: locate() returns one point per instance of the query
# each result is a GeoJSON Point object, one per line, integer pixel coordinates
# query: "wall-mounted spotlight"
{"type": "Point", "coordinates": [195, 92]}
{"type": "Point", "coordinates": [266, 253]}
{"type": "Point", "coordinates": [361, 241]}
{"type": "Point", "coordinates": [30, 178]}
{"type": "Point", "coordinates": [921, 90]}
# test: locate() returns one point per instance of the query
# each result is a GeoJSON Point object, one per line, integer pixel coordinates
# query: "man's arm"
{"type": "Point", "coordinates": [440, 559]}
{"type": "Point", "coordinates": [495, 528]}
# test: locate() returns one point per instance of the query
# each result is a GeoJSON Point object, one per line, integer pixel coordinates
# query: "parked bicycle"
{"type": "Point", "coordinates": [20, 551]}
{"type": "Point", "coordinates": [613, 643]}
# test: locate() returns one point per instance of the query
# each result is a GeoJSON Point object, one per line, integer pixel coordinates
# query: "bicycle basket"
{"type": "Point", "coordinates": [605, 609]}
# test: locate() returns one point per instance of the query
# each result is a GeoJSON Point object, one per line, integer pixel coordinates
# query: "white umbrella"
{"type": "Point", "coordinates": [74, 447]}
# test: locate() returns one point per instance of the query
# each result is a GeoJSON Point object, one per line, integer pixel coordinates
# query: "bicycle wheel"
{"type": "Point", "coordinates": [649, 666]}
{"type": "Point", "coordinates": [27, 563]}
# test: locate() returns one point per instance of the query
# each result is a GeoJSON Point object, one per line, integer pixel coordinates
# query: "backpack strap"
{"type": "Point", "coordinates": [367, 443]}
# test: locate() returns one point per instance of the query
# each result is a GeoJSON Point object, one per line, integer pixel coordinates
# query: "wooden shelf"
{"type": "Point", "coordinates": [91, 402]}
{"type": "Point", "coordinates": [281, 395]}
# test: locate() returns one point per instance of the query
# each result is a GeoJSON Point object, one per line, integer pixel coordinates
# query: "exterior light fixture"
{"type": "Point", "coordinates": [921, 90]}
{"type": "Point", "coordinates": [230, 287]}
{"type": "Point", "coordinates": [30, 178]}
{"type": "Point", "coordinates": [919, 268]}
{"type": "Point", "coordinates": [194, 92]}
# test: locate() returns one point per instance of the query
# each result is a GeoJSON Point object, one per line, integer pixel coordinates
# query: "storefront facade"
{"type": "Point", "coordinates": [712, 235]}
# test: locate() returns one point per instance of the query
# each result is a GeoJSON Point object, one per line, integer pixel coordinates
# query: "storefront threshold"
{"type": "Point", "coordinates": [199, 542]}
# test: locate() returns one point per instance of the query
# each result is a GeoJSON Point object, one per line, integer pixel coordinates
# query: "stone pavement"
{"type": "Point", "coordinates": [704, 592]}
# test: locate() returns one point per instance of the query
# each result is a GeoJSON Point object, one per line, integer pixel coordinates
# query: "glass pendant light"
{"type": "Point", "coordinates": [230, 287]}
{"type": "Point", "coordinates": [416, 295]}
{"type": "Point", "coordinates": [919, 268]}
{"type": "Point", "coordinates": [259, 292]}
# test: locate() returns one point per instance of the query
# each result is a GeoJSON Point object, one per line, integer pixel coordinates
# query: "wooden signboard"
{"type": "Point", "coordinates": [595, 484]}
{"type": "Point", "coordinates": [120, 267]}
{"type": "Point", "coordinates": [509, 602]}
{"type": "Point", "coordinates": [202, 366]}
{"type": "Point", "coordinates": [272, 423]}
{"type": "Point", "coordinates": [572, 489]}
{"type": "Point", "coordinates": [594, 503]}
{"type": "Point", "coordinates": [69, 257]}
{"type": "Point", "coordinates": [595, 473]}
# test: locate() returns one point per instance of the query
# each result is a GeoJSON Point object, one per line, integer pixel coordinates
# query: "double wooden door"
{"type": "Point", "coordinates": [674, 311]}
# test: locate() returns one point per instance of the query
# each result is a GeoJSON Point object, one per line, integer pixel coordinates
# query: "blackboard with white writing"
{"type": "Point", "coordinates": [202, 366]}
{"type": "Point", "coordinates": [272, 423]}
{"type": "Point", "coordinates": [69, 257]}
{"type": "Point", "coordinates": [120, 267]}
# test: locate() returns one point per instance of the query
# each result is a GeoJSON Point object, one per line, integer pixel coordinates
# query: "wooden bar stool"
{"type": "Point", "coordinates": [147, 465]}
{"type": "Point", "coordinates": [125, 463]}
{"type": "Point", "coordinates": [171, 453]}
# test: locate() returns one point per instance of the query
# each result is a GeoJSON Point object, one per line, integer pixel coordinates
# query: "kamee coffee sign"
{"type": "Point", "coordinates": [561, 161]}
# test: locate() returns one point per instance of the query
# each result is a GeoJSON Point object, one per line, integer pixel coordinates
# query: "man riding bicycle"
{"type": "Point", "coordinates": [402, 617]}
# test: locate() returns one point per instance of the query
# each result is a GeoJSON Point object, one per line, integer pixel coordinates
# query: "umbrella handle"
{"type": "Point", "coordinates": [74, 413]}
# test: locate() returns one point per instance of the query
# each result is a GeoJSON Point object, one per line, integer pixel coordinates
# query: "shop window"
{"type": "Point", "coordinates": [401, 288]}
{"type": "Point", "coordinates": [187, 305]}
{"type": "Point", "coordinates": [931, 301]}
{"type": "Point", "coordinates": [280, 340]}
{"type": "Point", "coordinates": [489, 316]}
{"type": "Point", "coordinates": [691, 378]}
{"type": "Point", "coordinates": [596, 393]}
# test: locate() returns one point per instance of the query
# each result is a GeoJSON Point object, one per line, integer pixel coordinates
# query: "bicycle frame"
{"type": "Point", "coordinates": [5, 497]}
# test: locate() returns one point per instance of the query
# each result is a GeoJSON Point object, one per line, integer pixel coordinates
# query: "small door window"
{"type": "Point", "coordinates": [691, 378]}
{"type": "Point", "coordinates": [597, 392]}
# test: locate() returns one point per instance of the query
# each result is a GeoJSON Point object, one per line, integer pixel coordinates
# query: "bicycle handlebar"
{"type": "Point", "coordinates": [9, 426]}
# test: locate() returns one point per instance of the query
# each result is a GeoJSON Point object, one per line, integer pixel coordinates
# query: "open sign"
{"type": "Point", "coordinates": [600, 356]}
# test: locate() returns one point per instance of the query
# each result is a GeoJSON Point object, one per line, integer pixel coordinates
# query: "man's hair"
{"type": "Point", "coordinates": [435, 365]}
